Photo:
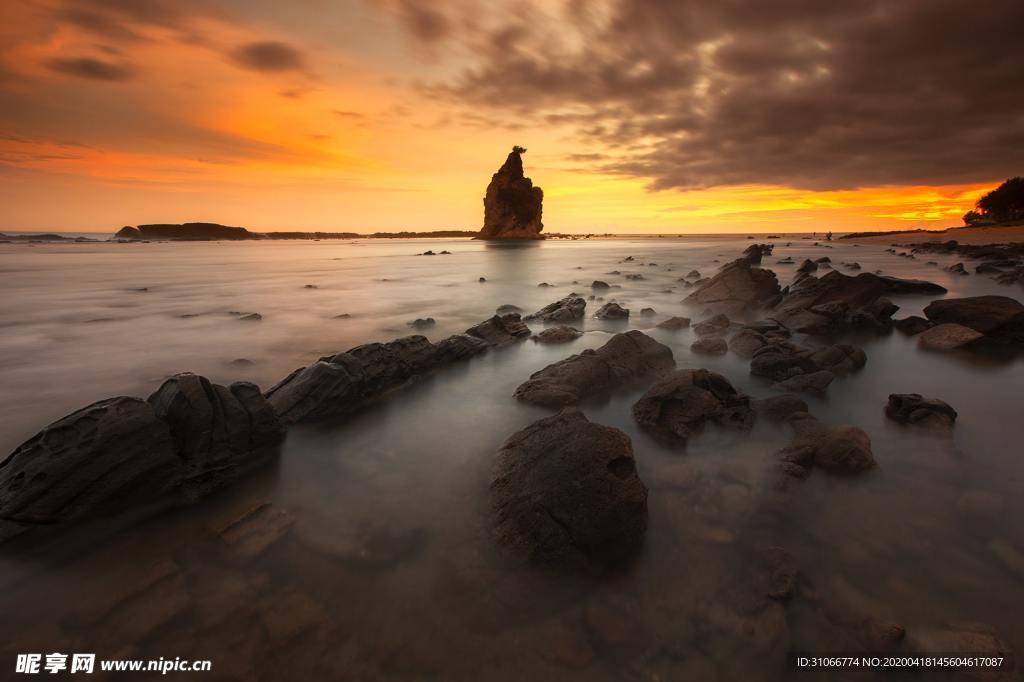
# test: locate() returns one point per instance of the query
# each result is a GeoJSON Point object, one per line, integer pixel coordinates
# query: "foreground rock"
{"type": "Point", "coordinates": [569, 308]}
{"type": "Point", "coordinates": [948, 336]}
{"type": "Point", "coordinates": [191, 437]}
{"type": "Point", "coordinates": [756, 335]}
{"type": "Point", "coordinates": [219, 432]}
{"type": "Point", "coordinates": [999, 318]}
{"type": "Point", "coordinates": [679, 405]}
{"type": "Point", "coordinates": [912, 408]}
{"type": "Point", "coordinates": [835, 449]}
{"type": "Point", "coordinates": [612, 311]}
{"type": "Point", "coordinates": [737, 287]}
{"type": "Point", "coordinates": [795, 368]}
{"type": "Point", "coordinates": [512, 205]}
{"type": "Point", "coordinates": [500, 330]}
{"type": "Point", "coordinates": [566, 493]}
{"type": "Point", "coordinates": [710, 345]}
{"type": "Point", "coordinates": [912, 325]}
{"type": "Point", "coordinates": [106, 457]}
{"type": "Point", "coordinates": [593, 374]}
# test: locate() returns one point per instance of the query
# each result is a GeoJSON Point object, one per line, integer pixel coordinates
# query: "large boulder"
{"type": "Point", "coordinates": [566, 492]}
{"type": "Point", "coordinates": [913, 408]}
{"type": "Point", "coordinates": [101, 459]}
{"type": "Point", "coordinates": [680, 404]}
{"type": "Point", "coordinates": [219, 432]}
{"type": "Point", "coordinates": [999, 318]}
{"type": "Point", "coordinates": [512, 205]}
{"type": "Point", "coordinates": [738, 286]}
{"type": "Point", "coordinates": [569, 308]}
{"type": "Point", "coordinates": [593, 374]}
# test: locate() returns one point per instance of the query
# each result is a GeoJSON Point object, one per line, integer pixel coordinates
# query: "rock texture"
{"type": "Point", "coordinates": [999, 318]}
{"type": "Point", "coordinates": [566, 492]}
{"type": "Point", "coordinates": [913, 408]}
{"type": "Point", "coordinates": [103, 458]}
{"type": "Point", "coordinates": [949, 336]}
{"type": "Point", "coordinates": [594, 374]}
{"type": "Point", "coordinates": [512, 205]}
{"type": "Point", "coordinates": [219, 432]}
{"type": "Point", "coordinates": [796, 368]}
{"type": "Point", "coordinates": [679, 405]}
{"type": "Point", "coordinates": [835, 449]}
{"type": "Point", "coordinates": [559, 334]}
{"type": "Point", "coordinates": [612, 311]}
{"type": "Point", "coordinates": [569, 308]}
{"type": "Point", "coordinates": [738, 286]}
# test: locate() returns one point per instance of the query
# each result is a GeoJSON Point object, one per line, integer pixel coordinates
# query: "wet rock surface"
{"type": "Point", "coordinates": [612, 311]}
{"type": "Point", "coordinates": [566, 492]}
{"type": "Point", "coordinates": [559, 334]}
{"type": "Point", "coordinates": [512, 205]}
{"type": "Point", "coordinates": [840, 450]}
{"type": "Point", "coordinates": [948, 336]}
{"type": "Point", "coordinates": [679, 405]}
{"type": "Point", "coordinates": [567, 309]}
{"type": "Point", "coordinates": [710, 345]}
{"type": "Point", "coordinates": [738, 286]}
{"type": "Point", "coordinates": [593, 374]}
{"type": "Point", "coordinates": [999, 318]}
{"type": "Point", "coordinates": [913, 408]}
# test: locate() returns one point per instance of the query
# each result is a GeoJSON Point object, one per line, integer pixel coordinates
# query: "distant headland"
{"type": "Point", "coordinates": [215, 231]}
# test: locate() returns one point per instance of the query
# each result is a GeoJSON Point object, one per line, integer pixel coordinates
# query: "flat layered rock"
{"type": "Point", "coordinates": [737, 286]}
{"type": "Point", "coordinates": [559, 334]}
{"type": "Point", "coordinates": [566, 492]}
{"type": "Point", "coordinates": [255, 531]}
{"type": "Point", "coordinates": [999, 318]}
{"type": "Point", "coordinates": [593, 374]}
{"type": "Point", "coordinates": [948, 336]}
{"type": "Point", "coordinates": [915, 409]}
{"type": "Point", "coordinates": [567, 309]}
{"type": "Point", "coordinates": [674, 323]}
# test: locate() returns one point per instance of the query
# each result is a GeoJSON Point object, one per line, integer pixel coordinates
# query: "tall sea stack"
{"type": "Point", "coordinates": [512, 205]}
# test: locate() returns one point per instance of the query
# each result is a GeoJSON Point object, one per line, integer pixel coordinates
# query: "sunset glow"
{"type": "Point", "coordinates": [353, 116]}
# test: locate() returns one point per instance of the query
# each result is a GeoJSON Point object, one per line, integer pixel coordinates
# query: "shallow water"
{"type": "Point", "coordinates": [389, 571]}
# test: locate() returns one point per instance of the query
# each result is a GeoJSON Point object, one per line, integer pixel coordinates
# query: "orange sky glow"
{"type": "Point", "coordinates": [164, 125]}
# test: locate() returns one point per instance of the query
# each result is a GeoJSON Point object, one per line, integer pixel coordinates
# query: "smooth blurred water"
{"type": "Point", "coordinates": [390, 554]}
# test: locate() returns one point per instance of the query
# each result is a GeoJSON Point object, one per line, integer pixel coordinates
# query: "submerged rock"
{"type": "Point", "coordinates": [559, 334]}
{"type": "Point", "coordinates": [569, 308]}
{"type": "Point", "coordinates": [679, 405]}
{"type": "Point", "coordinates": [674, 323]}
{"type": "Point", "coordinates": [593, 374]}
{"type": "Point", "coordinates": [835, 449]}
{"type": "Point", "coordinates": [912, 408]}
{"type": "Point", "coordinates": [779, 407]}
{"type": "Point", "coordinates": [501, 330]}
{"type": "Point", "coordinates": [949, 336]}
{"type": "Point", "coordinates": [255, 531]}
{"type": "Point", "coordinates": [512, 205]}
{"type": "Point", "coordinates": [566, 493]}
{"type": "Point", "coordinates": [912, 325]}
{"type": "Point", "coordinates": [710, 345]}
{"type": "Point", "coordinates": [713, 326]}
{"type": "Point", "coordinates": [612, 311]}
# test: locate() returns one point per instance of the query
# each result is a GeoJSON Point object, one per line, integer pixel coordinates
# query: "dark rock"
{"type": "Point", "coordinates": [713, 326]}
{"type": "Point", "coordinates": [912, 408]}
{"type": "Point", "coordinates": [505, 308]}
{"type": "Point", "coordinates": [737, 286]}
{"type": "Point", "coordinates": [674, 323]}
{"type": "Point", "coordinates": [219, 432]}
{"type": "Point", "coordinates": [512, 205]}
{"type": "Point", "coordinates": [693, 274]}
{"type": "Point", "coordinates": [340, 384]}
{"type": "Point", "coordinates": [251, 317]}
{"type": "Point", "coordinates": [753, 253]}
{"type": "Point", "coordinates": [612, 311]}
{"type": "Point", "coordinates": [811, 382]}
{"type": "Point", "coordinates": [501, 330]}
{"type": "Point", "coordinates": [598, 284]}
{"type": "Point", "coordinates": [593, 374]}
{"type": "Point", "coordinates": [647, 312]}
{"type": "Point", "coordinates": [835, 449]}
{"type": "Point", "coordinates": [779, 407]}
{"type": "Point", "coordinates": [99, 460]}
{"type": "Point", "coordinates": [566, 492]}
{"type": "Point", "coordinates": [755, 336]}
{"type": "Point", "coordinates": [957, 269]}
{"type": "Point", "coordinates": [310, 286]}
{"type": "Point", "coordinates": [912, 325]}
{"type": "Point", "coordinates": [241, 362]}
{"type": "Point", "coordinates": [710, 345]}
{"type": "Point", "coordinates": [482, 279]}
{"type": "Point", "coordinates": [422, 323]}
{"type": "Point", "coordinates": [948, 336]}
{"type": "Point", "coordinates": [559, 334]}
{"type": "Point", "coordinates": [781, 361]}
{"type": "Point", "coordinates": [634, 277]}
{"type": "Point", "coordinates": [569, 308]}
{"type": "Point", "coordinates": [544, 285]}
{"type": "Point", "coordinates": [255, 531]}
{"type": "Point", "coordinates": [680, 404]}
{"type": "Point", "coordinates": [999, 318]}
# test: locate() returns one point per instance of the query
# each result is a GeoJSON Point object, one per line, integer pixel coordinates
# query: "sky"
{"type": "Point", "coordinates": [640, 116]}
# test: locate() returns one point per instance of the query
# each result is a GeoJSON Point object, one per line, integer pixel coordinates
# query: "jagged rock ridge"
{"type": "Point", "coordinates": [512, 205]}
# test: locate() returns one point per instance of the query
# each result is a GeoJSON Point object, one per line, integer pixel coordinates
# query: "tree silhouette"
{"type": "Point", "coordinates": [519, 150]}
{"type": "Point", "coordinates": [1002, 204]}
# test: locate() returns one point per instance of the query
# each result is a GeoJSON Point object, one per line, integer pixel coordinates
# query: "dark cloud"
{"type": "Point", "coordinates": [424, 20]}
{"type": "Point", "coordinates": [823, 95]}
{"type": "Point", "coordinates": [269, 56]}
{"type": "Point", "coordinates": [92, 69]}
